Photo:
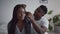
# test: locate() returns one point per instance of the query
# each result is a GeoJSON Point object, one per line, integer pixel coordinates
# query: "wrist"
{"type": "Point", "coordinates": [32, 20]}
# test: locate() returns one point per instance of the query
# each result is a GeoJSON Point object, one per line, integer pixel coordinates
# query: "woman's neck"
{"type": "Point", "coordinates": [20, 25]}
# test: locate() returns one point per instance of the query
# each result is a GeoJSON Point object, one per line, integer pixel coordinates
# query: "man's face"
{"type": "Point", "coordinates": [38, 13]}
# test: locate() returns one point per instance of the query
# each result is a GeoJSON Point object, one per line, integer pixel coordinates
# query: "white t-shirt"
{"type": "Point", "coordinates": [43, 21]}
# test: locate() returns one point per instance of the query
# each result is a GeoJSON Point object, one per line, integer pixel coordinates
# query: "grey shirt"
{"type": "Point", "coordinates": [18, 32]}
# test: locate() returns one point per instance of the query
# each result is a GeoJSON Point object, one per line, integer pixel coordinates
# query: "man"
{"type": "Point", "coordinates": [39, 23]}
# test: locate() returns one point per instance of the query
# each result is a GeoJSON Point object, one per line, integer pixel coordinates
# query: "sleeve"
{"type": "Point", "coordinates": [45, 22]}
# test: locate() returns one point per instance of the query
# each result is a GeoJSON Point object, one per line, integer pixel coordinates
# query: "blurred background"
{"type": "Point", "coordinates": [6, 10]}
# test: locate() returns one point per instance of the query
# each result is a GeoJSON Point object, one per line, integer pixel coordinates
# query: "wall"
{"type": "Point", "coordinates": [6, 9]}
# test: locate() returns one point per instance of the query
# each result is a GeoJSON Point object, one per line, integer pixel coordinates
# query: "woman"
{"type": "Point", "coordinates": [16, 25]}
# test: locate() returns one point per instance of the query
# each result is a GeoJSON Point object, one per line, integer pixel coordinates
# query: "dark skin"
{"type": "Point", "coordinates": [40, 29]}
{"type": "Point", "coordinates": [20, 16]}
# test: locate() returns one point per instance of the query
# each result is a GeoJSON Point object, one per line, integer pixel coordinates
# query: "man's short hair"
{"type": "Point", "coordinates": [44, 8]}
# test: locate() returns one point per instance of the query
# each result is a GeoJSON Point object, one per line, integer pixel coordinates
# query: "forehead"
{"type": "Point", "coordinates": [20, 9]}
{"type": "Point", "coordinates": [39, 10]}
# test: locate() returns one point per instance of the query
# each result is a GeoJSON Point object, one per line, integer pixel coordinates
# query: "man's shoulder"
{"type": "Point", "coordinates": [44, 19]}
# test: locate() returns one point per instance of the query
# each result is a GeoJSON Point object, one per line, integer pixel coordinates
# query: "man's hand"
{"type": "Point", "coordinates": [30, 16]}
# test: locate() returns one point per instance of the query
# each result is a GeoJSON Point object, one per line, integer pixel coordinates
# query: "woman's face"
{"type": "Point", "coordinates": [21, 13]}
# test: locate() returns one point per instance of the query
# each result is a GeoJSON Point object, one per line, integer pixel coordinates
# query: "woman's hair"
{"type": "Point", "coordinates": [12, 23]}
{"type": "Point", "coordinates": [16, 8]}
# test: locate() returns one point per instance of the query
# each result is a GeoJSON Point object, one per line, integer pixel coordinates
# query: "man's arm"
{"type": "Point", "coordinates": [38, 28]}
